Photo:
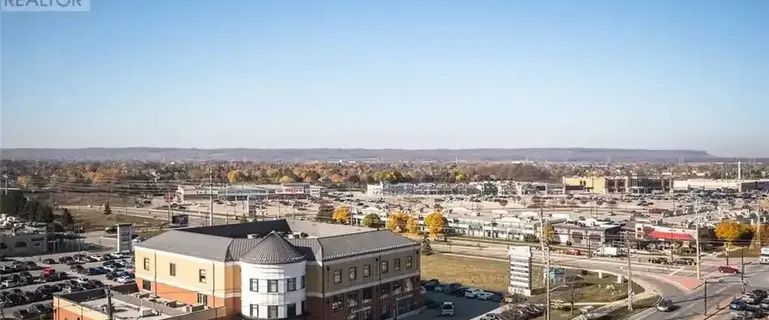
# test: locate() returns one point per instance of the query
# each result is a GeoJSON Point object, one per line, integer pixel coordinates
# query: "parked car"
{"type": "Point", "coordinates": [737, 304]}
{"type": "Point", "coordinates": [49, 261]}
{"type": "Point", "coordinates": [472, 292]}
{"type": "Point", "coordinates": [750, 298]}
{"type": "Point", "coordinates": [760, 293]}
{"type": "Point", "coordinates": [447, 308]}
{"type": "Point", "coordinates": [124, 279]}
{"type": "Point", "coordinates": [22, 315]}
{"type": "Point", "coordinates": [764, 304]}
{"type": "Point", "coordinates": [484, 295]}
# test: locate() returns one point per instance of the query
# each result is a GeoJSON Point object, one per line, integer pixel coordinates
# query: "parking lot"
{"type": "Point", "coordinates": [29, 283]}
{"type": "Point", "coordinates": [752, 305]}
{"type": "Point", "coordinates": [464, 308]}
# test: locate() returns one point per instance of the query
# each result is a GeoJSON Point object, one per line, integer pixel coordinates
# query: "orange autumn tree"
{"type": "Point", "coordinates": [397, 221]}
{"type": "Point", "coordinates": [436, 223]}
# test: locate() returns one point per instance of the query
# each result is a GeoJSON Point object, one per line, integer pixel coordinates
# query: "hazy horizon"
{"type": "Point", "coordinates": [685, 75]}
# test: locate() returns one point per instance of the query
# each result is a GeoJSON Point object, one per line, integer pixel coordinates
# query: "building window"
{"type": "Point", "coordinates": [202, 275]}
{"type": "Point", "coordinates": [254, 285]}
{"type": "Point", "coordinates": [409, 261]}
{"type": "Point", "coordinates": [254, 311]}
{"type": "Point", "coordinates": [304, 307]}
{"type": "Point", "coordinates": [146, 264]}
{"type": "Point", "coordinates": [272, 285]}
{"type": "Point", "coordinates": [384, 291]}
{"type": "Point", "coordinates": [291, 310]}
{"type": "Point", "coordinates": [352, 300]}
{"type": "Point", "coordinates": [291, 284]}
{"type": "Point", "coordinates": [366, 270]}
{"type": "Point", "coordinates": [384, 267]}
{"type": "Point", "coordinates": [352, 274]}
{"type": "Point", "coordinates": [336, 303]}
{"type": "Point", "coordinates": [409, 285]}
{"type": "Point", "coordinates": [337, 276]}
{"type": "Point", "coordinates": [147, 285]}
{"type": "Point", "coordinates": [396, 287]}
{"type": "Point", "coordinates": [302, 282]}
{"type": "Point", "coordinates": [172, 269]}
{"type": "Point", "coordinates": [397, 264]}
{"type": "Point", "coordinates": [202, 299]}
{"type": "Point", "coordinates": [367, 293]}
{"type": "Point", "coordinates": [272, 312]}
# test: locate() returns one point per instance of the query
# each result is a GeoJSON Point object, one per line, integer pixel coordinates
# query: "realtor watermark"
{"type": "Point", "coordinates": [44, 5]}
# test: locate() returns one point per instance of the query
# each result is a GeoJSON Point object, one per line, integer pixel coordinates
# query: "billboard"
{"type": "Point", "coordinates": [520, 270]}
{"type": "Point", "coordinates": [125, 235]}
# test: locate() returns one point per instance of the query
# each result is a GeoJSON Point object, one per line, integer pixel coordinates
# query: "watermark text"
{"type": "Point", "coordinates": [45, 5]}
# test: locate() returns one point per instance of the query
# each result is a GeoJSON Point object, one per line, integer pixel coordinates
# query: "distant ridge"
{"type": "Point", "coordinates": [328, 154]}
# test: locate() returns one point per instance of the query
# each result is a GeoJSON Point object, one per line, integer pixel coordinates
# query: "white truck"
{"type": "Point", "coordinates": [764, 258]}
{"type": "Point", "coordinates": [607, 252]}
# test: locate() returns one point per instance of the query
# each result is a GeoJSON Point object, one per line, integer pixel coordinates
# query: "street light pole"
{"type": "Point", "coordinates": [742, 268]}
{"type": "Point", "coordinates": [706, 297]}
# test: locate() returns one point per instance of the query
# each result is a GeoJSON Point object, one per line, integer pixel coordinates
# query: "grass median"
{"type": "Point", "coordinates": [493, 275]}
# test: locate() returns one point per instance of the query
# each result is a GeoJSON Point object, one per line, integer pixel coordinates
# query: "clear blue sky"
{"type": "Point", "coordinates": [395, 74]}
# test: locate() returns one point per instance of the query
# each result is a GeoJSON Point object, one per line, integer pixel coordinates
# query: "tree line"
{"type": "Point", "coordinates": [17, 204]}
{"type": "Point", "coordinates": [397, 221]}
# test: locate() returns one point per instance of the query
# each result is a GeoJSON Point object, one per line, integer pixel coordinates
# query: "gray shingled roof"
{"type": "Point", "coordinates": [188, 243]}
{"type": "Point", "coordinates": [272, 249]}
{"type": "Point", "coordinates": [343, 246]}
{"type": "Point", "coordinates": [203, 243]}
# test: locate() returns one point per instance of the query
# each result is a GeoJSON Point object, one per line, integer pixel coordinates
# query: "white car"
{"type": "Point", "coordinates": [447, 308]}
{"type": "Point", "coordinates": [472, 292]}
{"type": "Point", "coordinates": [111, 268]}
{"type": "Point", "coordinates": [82, 280]}
{"type": "Point", "coordinates": [124, 279]}
{"type": "Point", "coordinates": [96, 257]}
{"type": "Point", "coordinates": [484, 295]}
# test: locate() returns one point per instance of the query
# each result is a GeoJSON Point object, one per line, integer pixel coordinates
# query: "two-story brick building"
{"type": "Point", "coordinates": [284, 269]}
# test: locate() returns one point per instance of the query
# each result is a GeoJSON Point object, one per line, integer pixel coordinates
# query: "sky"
{"type": "Point", "coordinates": [390, 74]}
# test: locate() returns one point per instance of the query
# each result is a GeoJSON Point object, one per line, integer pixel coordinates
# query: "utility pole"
{"type": "Point", "coordinates": [697, 241]}
{"type": "Point", "coordinates": [109, 303]}
{"type": "Point", "coordinates": [742, 268]}
{"type": "Point", "coordinates": [210, 197]}
{"type": "Point", "coordinates": [545, 260]}
{"type": "Point", "coordinates": [629, 275]}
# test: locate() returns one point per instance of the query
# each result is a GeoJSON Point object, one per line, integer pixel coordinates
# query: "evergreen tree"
{"type": "Point", "coordinates": [426, 248]}
{"type": "Point", "coordinates": [66, 218]}
{"type": "Point", "coordinates": [45, 214]}
{"type": "Point", "coordinates": [107, 209]}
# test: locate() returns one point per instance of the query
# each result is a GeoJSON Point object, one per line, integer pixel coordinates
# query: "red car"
{"type": "Point", "coordinates": [728, 269]}
{"type": "Point", "coordinates": [573, 252]}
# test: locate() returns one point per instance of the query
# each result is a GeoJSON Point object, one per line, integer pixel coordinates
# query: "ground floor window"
{"type": "Point", "coordinates": [147, 285]}
{"type": "Point", "coordinates": [272, 312]}
{"type": "Point", "coordinates": [202, 299]}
